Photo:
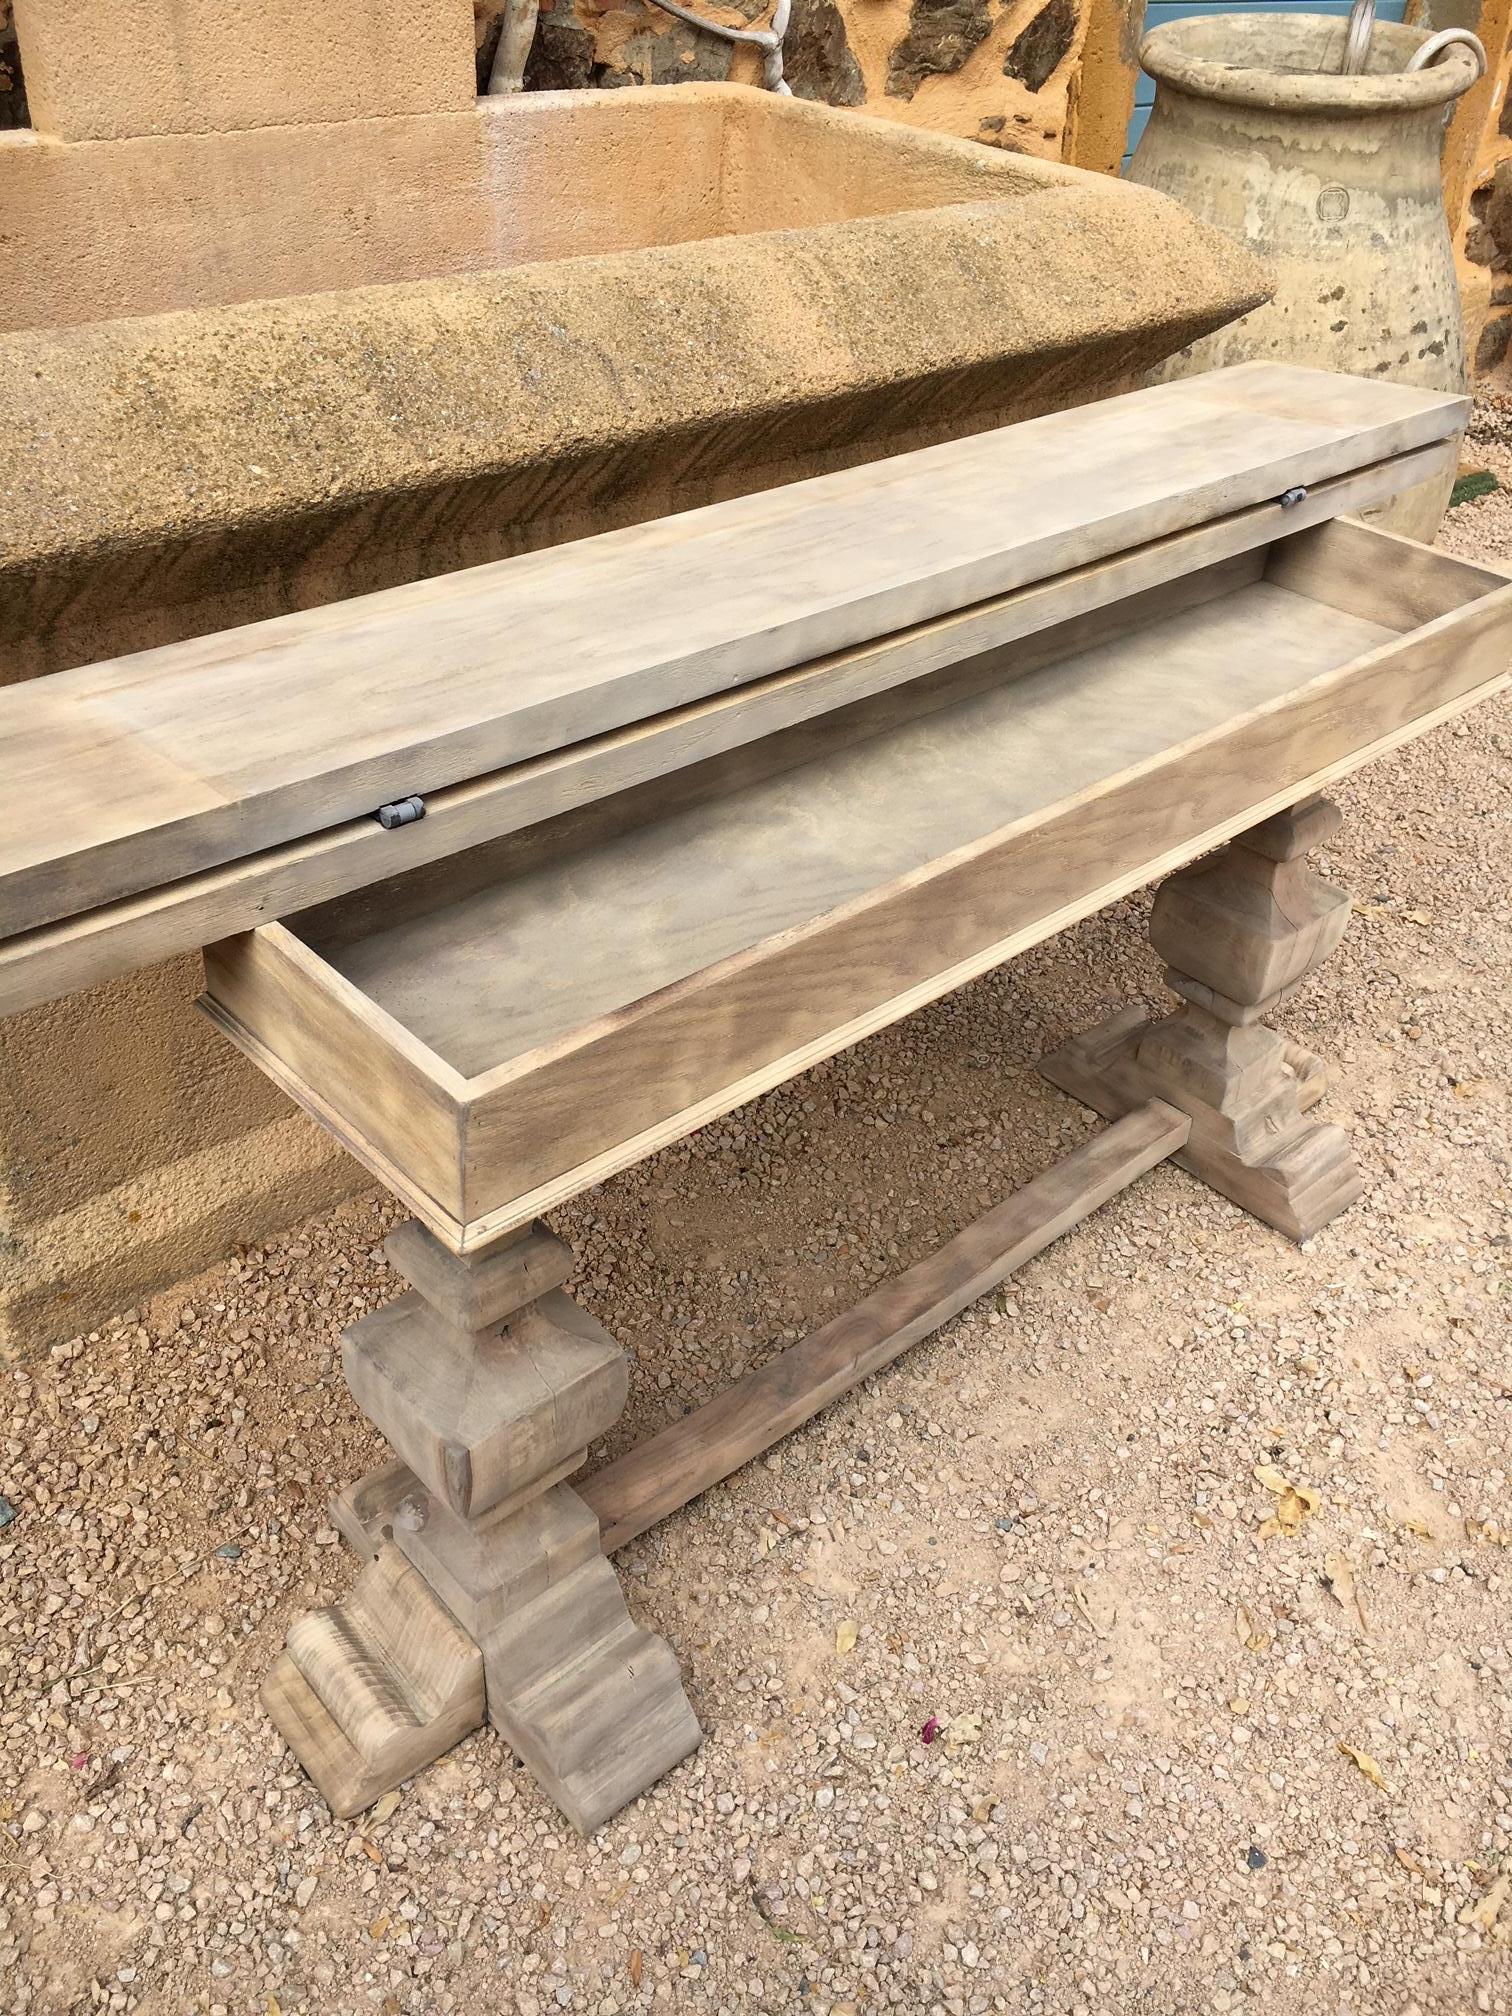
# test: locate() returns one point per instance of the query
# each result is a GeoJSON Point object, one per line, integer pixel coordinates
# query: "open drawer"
{"type": "Point", "coordinates": [497, 1032]}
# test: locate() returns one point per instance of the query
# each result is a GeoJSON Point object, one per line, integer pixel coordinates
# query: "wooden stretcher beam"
{"type": "Point", "coordinates": [659, 1476]}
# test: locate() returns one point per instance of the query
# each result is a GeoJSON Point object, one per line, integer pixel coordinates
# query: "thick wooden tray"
{"type": "Point", "coordinates": [500, 1031]}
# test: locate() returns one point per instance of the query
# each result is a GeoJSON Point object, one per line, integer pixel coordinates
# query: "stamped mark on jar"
{"type": "Point", "coordinates": [1333, 203]}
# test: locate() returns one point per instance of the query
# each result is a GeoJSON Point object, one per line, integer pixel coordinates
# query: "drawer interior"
{"type": "Point", "coordinates": [490, 957]}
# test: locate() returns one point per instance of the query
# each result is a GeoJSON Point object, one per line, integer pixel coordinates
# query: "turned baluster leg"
{"type": "Point", "coordinates": [489, 1383]}
{"type": "Point", "coordinates": [1238, 932]}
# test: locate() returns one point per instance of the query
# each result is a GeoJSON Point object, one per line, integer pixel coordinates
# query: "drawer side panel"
{"type": "Point", "coordinates": [338, 1058]}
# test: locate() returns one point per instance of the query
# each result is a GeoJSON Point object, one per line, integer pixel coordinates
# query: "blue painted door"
{"type": "Point", "coordinates": [1176, 10]}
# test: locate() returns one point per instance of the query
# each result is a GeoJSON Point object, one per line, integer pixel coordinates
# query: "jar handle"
{"type": "Point", "coordinates": [1449, 38]}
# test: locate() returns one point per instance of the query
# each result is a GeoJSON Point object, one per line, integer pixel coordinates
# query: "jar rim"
{"type": "Point", "coordinates": [1183, 54]}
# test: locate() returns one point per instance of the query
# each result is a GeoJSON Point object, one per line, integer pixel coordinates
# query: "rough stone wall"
{"type": "Point", "coordinates": [999, 71]}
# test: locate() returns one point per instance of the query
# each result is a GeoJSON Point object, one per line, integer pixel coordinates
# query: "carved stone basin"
{"type": "Point", "coordinates": [252, 370]}
{"type": "Point", "coordinates": [535, 318]}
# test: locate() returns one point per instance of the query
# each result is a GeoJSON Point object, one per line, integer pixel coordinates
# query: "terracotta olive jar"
{"type": "Point", "coordinates": [1334, 179]}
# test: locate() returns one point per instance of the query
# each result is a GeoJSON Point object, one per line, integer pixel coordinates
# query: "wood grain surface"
{"type": "Point", "coordinates": [153, 923]}
{"type": "Point", "coordinates": [138, 771]}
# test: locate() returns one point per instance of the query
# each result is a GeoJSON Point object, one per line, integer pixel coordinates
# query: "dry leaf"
{"type": "Point", "coordinates": [1421, 1527]}
{"type": "Point", "coordinates": [275, 2007]}
{"type": "Point", "coordinates": [963, 1729]}
{"type": "Point", "coordinates": [373, 1854]}
{"type": "Point", "coordinates": [766, 1540]}
{"type": "Point", "coordinates": [1469, 1088]}
{"type": "Point", "coordinates": [1343, 1588]}
{"type": "Point", "coordinates": [1250, 1635]}
{"type": "Point", "coordinates": [1417, 916]}
{"type": "Point", "coordinates": [1294, 1502]}
{"type": "Point", "coordinates": [636, 1963]}
{"type": "Point", "coordinates": [1483, 1912]}
{"type": "Point", "coordinates": [1407, 1862]}
{"type": "Point", "coordinates": [846, 1636]}
{"type": "Point", "coordinates": [386, 1808]}
{"type": "Point", "coordinates": [378, 1927]}
{"type": "Point", "coordinates": [1297, 1504]}
{"type": "Point", "coordinates": [1363, 1761]}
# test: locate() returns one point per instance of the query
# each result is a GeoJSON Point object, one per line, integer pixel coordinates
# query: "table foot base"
{"type": "Point", "coordinates": [592, 1703]}
{"type": "Point", "coordinates": [1294, 1174]}
{"type": "Point", "coordinates": [375, 1687]}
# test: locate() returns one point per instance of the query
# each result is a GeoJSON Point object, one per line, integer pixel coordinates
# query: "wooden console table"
{"type": "Point", "coordinates": [668, 816]}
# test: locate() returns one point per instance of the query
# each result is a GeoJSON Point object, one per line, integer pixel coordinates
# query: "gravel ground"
{"type": "Point", "coordinates": [1181, 1766]}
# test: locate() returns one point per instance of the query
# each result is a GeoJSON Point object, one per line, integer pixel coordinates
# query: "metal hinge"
{"type": "Point", "coordinates": [403, 812]}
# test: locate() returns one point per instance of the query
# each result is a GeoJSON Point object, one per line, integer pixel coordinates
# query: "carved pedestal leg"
{"type": "Point", "coordinates": [490, 1384]}
{"type": "Point", "coordinates": [1238, 932]}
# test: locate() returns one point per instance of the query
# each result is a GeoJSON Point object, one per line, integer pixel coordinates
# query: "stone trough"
{"type": "Point", "coordinates": [252, 368]}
